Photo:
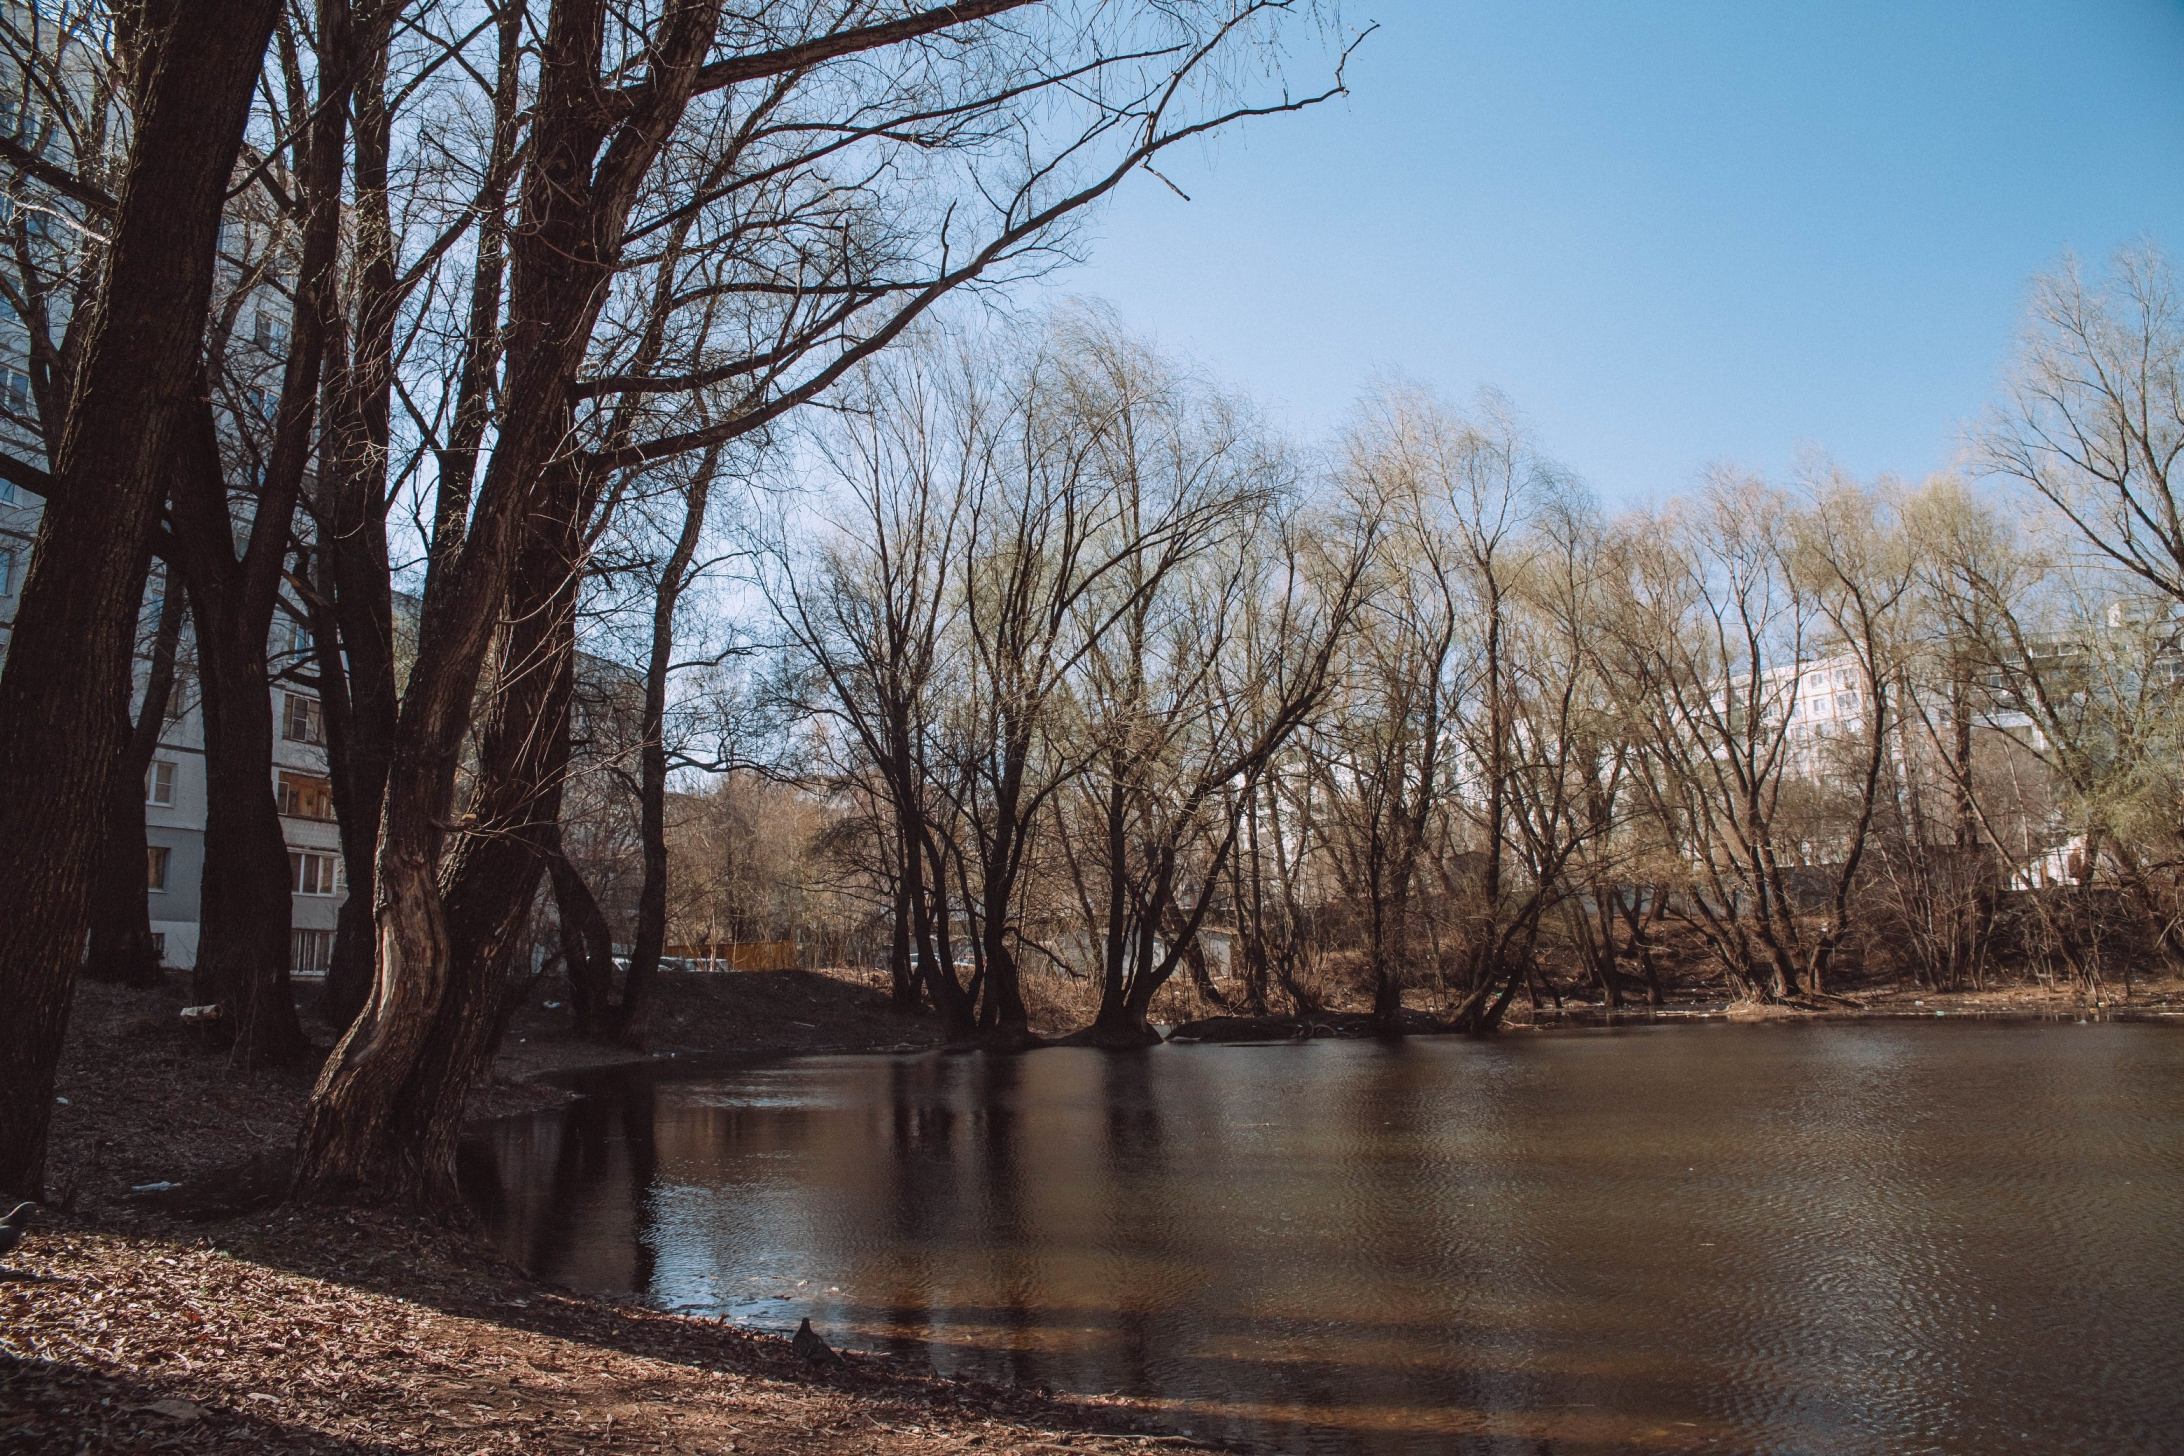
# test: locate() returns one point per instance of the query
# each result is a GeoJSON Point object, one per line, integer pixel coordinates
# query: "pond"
{"type": "Point", "coordinates": [1889, 1236]}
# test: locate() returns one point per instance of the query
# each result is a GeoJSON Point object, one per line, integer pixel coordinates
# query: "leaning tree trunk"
{"type": "Point", "coordinates": [121, 918]}
{"type": "Point", "coordinates": [355, 646]}
{"type": "Point", "coordinates": [64, 699]}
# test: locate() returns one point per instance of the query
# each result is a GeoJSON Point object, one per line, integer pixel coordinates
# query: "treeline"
{"type": "Point", "coordinates": [440, 356]}
{"type": "Point", "coordinates": [477, 300]}
{"type": "Point", "coordinates": [1104, 667]}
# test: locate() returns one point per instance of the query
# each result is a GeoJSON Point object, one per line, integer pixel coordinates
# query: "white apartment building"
{"type": "Point", "coordinates": [174, 786]}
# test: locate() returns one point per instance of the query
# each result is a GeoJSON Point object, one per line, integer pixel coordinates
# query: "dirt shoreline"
{"type": "Point", "coordinates": [126, 1328]}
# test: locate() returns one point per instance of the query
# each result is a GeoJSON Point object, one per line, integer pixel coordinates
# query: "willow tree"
{"type": "Point", "coordinates": [1203, 651]}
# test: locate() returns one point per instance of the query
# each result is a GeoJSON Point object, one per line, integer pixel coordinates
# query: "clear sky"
{"type": "Point", "coordinates": [1672, 231]}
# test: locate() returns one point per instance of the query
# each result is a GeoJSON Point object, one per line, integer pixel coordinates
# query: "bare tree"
{"type": "Point", "coordinates": [1204, 650]}
{"type": "Point", "coordinates": [2092, 419]}
{"type": "Point", "coordinates": [64, 697]}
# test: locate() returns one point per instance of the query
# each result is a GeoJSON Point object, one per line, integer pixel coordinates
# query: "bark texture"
{"type": "Point", "coordinates": [64, 698]}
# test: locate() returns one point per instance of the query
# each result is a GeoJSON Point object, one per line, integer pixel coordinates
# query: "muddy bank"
{"type": "Point", "coordinates": [2152, 1000]}
{"type": "Point", "coordinates": [144, 1099]}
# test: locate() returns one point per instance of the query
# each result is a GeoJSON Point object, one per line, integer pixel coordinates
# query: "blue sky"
{"type": "Point", "coordinates": [1672, 233]}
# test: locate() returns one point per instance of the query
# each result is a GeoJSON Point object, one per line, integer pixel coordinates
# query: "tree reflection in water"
{"type": "Point", "coordinates": [1961, 1238]}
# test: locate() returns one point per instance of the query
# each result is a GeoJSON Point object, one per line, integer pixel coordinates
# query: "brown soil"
{"type": "Point", "coordinates": [311, 1331]}
{"type": "Point", "coordinates": [126, 1329]}
{"type": "Point", "coordinates": [145, 1099]}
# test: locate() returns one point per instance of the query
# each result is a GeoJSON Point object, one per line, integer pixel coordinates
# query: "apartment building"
{"type": "Point", "coordinates": [174, 785]}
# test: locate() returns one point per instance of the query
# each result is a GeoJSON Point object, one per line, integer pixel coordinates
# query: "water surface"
{"type": "Point", "coordinates": [1864, 1237]}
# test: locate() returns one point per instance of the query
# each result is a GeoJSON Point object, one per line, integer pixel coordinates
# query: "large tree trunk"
{"type": "Point", "coordinates": [1384, 943]}
{"type": "Point", "coordinates": [1004, 1020]}
{"type": "Point", "coordinates": [122, 949]}
{"type": "Point", "coordinates": [387, 1108]}
{"type": "Point", "coordinates": [901, 968]}
{"type": "Point", "coordinates": [245, 910]}
{"type": "Point", "coordinates": [64, 698]}
{"type": "Point", "coordinates": [425, 1035]}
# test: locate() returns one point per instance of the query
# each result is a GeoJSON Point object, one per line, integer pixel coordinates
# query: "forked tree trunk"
{"type": "Point", "coordinates": [387, 1109]}
{"type": "Point", "coordinates": [64, 699]}
{"type": "Point", "coordinates": [927, 878]}
{"type": "Point", "coordinates": [245, 916]}
{"type": "Point", "coordinates": [244, 909]}
{"type": "Point", "coordinates": [901, 973]}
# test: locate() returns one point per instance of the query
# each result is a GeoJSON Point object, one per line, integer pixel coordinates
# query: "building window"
{"type": "Point", "coordinates": [14, 391]}
{"type": "Point", "coordinates": [270, 332]}
{"type": "Point", "coordinates": [7, 571]}
{"type": "Point", "coordinates": [159, 946]}
{"type": "Point", "coordinates": [296, 636]}
{"type": "Point", "coordinates": [301, 721]}
{"type": "Point", "coordinates": [159, 782]}
{"type": "Point", "coordinates": [314, 874]}
{"type": "Point", "coordinates": [310, 952]}
{"type": "Point", "coordinates": [156, 857]}
{"type": "Point", "coordinates": [306, 796]}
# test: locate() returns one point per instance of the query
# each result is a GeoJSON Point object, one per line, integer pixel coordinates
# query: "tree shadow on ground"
{"type": "Point", "coordinates": [50, 1406]}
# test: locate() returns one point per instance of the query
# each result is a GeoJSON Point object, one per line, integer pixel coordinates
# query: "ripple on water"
{"type": "Point", "coordinates": [1880, 1237]}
